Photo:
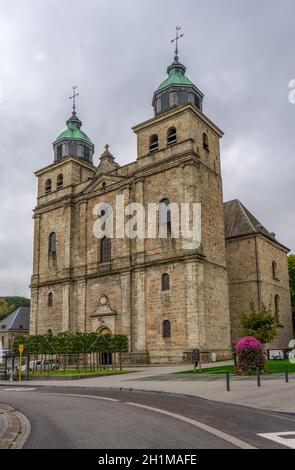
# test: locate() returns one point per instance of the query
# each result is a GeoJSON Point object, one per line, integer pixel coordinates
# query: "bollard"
{"type": "Point", "coordinates": [258, 378]}
{"type": "Point", "coordinates": [286, 374]}
{"type": "Point", "coordinates": [227, 382]}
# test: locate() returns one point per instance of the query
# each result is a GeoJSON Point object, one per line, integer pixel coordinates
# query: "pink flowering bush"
{"type": "Point", "coordinates": [250, 355]}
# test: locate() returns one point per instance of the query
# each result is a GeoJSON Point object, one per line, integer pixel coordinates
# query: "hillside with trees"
{"type": "Point", "coordinates": [10, 304]}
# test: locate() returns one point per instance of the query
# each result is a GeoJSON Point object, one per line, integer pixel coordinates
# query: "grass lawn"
{"type": "Point", "coordinates": [274, 367]}
{"type": "Point", "coordinates": [76, 373]}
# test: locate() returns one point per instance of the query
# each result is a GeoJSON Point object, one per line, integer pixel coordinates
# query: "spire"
{"type": "Point", "coordinates": [178, 36]}
{"type": "Point", "coordinates": [73, 97]}
{"type": "Point", "coordinates": [177, 89]}
{"type": "Point", "coordinates": [73, 141]}
{"type": "Point", "coordinates": [74, 121]}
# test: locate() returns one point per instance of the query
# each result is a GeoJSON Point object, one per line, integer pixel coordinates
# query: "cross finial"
{"type": "Point", "coordinates": [178, 36]}
{"type": "Point", "coordinates": [73, 97]}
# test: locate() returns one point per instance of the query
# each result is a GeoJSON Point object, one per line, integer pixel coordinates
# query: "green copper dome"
{"type": "Point", "coordinates": [177, 76]}
{"type": "Point", "coordinates": [73, 142]}
{"type": "Point", "coordinates": [73, 132]}
{"type": "Point", "coordinates": [176, 90]}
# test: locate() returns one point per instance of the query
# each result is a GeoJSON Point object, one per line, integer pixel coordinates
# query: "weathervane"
{"type": "Point", "coordinates": [178, 28]}
{"type": "Point", "coordinates": [73, 97]}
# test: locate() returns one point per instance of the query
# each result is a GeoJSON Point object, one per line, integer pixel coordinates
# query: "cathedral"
{"type": "Point", "coordinates": [166, 297]}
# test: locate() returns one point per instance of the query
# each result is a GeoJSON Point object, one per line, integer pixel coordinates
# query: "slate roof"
{"type": "Point", "coordinates": [19, 320]}
{"type": "Point", "coordinates": [239, 221]}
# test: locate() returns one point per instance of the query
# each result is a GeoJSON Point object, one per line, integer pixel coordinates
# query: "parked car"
{"type": "Point", "coordinates": [33, 365]}
{"type": "Point", "coordinates": [37, 366]}
{"type": "Point", "coordinates": [3, 353]}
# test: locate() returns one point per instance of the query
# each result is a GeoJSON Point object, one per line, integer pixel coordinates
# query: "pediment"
{"type": "Point", "coordinates": [102, 182]}
{"type": "Point", "coordinates": [104, 308]}
{"type": "Point", "coordinates": [107, 164]}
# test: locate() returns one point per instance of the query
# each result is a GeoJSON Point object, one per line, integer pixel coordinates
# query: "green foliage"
{"type": "Point", "coordinates": [10, 304]}
{"type": "Point", "coordinates": [68, 343]}
{"type": "Point", "coordinates": [78, 373]}
{"type": "Point", "coordinates": [249, 355]}
{"type": "Point", "coordinates": [272, 367]}
{"type": "Point", "coordinates": [291, 266]}
{"type": "Point", "coordinates": [261, 323]}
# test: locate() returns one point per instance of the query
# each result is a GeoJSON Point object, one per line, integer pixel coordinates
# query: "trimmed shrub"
{"type": "Point", "coordinates": [250, 355]}
{"type": "Point", "coordinates": [70, 343]}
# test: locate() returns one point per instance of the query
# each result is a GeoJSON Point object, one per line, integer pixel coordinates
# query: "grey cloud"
{"type": "Point", "coordinates": [238, 52]}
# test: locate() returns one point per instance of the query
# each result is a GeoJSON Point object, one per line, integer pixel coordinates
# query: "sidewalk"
{"type": "Point", "coordinates": [274, 393]}
{"type": "Point", "coordinates": [14, 428]}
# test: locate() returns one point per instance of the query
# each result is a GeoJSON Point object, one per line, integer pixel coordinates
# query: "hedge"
{"type": "Point", "coordinates": [69, 343]}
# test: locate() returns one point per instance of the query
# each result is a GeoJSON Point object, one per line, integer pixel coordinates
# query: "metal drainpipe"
{"type": "Point", "coordinates": [257, 272]}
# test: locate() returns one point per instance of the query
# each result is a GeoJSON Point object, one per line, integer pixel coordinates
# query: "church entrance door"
{"type": "Point", "coordinates": [106, 359]}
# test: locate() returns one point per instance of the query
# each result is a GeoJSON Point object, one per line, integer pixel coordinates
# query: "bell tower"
{"type": "Point", "coordinates": [182, 145]}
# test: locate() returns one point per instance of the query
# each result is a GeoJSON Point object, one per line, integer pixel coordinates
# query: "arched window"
{"type": "Point", "coordinates": [105, 250]}
{"type": "Point", "coordinates": [171, 136]}
{"type": "Point", "coordinates": [59, 181]}
{"type": "Point", "coordinates": [274, 268]}
{"type": "Point", "coordinates": [165, 215]}
{"type": "Point", "coordinates": [205, 142]}
{"type": "Point", "coordinates": [50, 300]}
{"type": "Point", "coordinates": [154, 143]}
{"type": "Point", "coordinates": [165, 282]}
{"type": "Point", "coordinates": [48, 186]}
{"type": "Point", "coordinates": [166, 329]}
{"type": "Point", "coordinates": [52, 243]}
{"type": "Point", "coordinates": [277, 304]}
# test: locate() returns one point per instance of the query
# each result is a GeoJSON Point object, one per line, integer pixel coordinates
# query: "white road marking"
{"type": "Point", "coordinates": [281, 438]}
{"type": "Point", "coordinates": [82, 396]}
{"type": "Point", "coordinates": [216, 432]}
{"type": "Point", "coordinates": [18, 389]}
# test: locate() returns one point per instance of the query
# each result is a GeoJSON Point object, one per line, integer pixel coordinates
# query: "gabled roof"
{"type": "Point", "coordinates": [19, 320]}
{"type": "Point", "coordinates": [239, 221]}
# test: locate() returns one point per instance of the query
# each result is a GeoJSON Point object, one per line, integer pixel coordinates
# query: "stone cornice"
{"type": "Point", "coordinates": [57, 164]}
{"type": "Point", "coordinates": [192, 257]}
{"type": "Point", "coordinates": [157, 167]}
{"type": "Point", "coordinates": [274, 243]}
{"type": "Point", "coordinates": [175, 112]}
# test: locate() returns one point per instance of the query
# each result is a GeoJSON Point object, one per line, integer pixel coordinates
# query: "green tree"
{"type": "Point", "coordinates": [261, 323]}
{"type": "Point", "coordinates": [10, 304]}
{"type": "Point", "coordinates": [291, 266]}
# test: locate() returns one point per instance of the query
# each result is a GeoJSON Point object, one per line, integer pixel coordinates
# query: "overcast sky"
{"type": "Point", "coordinates": [240, 53]}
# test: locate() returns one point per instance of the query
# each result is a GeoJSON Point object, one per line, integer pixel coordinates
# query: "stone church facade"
{"type": "Point", "coordinates": [168, 299]}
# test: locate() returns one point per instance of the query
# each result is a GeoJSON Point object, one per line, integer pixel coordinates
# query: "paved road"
{"type": "Point", "coordinates": [89, 418]}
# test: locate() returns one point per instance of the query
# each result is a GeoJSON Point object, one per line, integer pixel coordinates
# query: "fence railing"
{"type": "Point", "coordinates": [59, 364]}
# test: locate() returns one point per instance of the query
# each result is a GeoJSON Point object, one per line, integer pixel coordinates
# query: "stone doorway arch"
{"type": "Point", "coordinates": [106, 359]}
{"type": "Point", "coordinates": [104, 330]}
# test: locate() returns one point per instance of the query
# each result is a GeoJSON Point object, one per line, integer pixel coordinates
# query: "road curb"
{"type": "Point", "coordinates": [15, 429]}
